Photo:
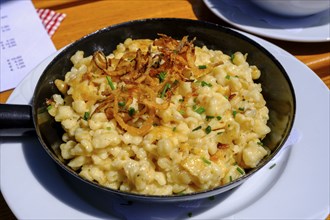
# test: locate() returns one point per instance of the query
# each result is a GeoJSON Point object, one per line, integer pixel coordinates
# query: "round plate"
{"type": "Point", "coordinates": [34, 189]}
{"type": "Point", "coordinates": [245, 15]}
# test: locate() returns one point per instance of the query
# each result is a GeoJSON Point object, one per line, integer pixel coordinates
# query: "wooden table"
{"type": "Point", "coordinates": [86, 16]}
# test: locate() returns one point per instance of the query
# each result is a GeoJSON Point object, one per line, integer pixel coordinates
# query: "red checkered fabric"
{"type": "Point", "coordinates": [50, 19]}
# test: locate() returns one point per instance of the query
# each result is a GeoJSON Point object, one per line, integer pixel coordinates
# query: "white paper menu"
{"type": "Point", "coordinates": [24, 42]}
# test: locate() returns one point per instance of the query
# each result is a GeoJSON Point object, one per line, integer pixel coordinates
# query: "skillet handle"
{"type": "Point", "coordinates": [15, 120]}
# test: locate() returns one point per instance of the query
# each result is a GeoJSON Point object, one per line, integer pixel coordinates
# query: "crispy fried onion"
{"type": "Point", "coordinates": [146, 81]}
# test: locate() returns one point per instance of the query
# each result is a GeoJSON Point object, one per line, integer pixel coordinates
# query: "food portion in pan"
{"type": "Point", "coordinates": [161, 117]}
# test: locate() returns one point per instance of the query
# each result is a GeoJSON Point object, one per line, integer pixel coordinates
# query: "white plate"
{"type": "Point", "coordinates": [297, 187]}
{"type": "Point", "coordinates": [245, 15]}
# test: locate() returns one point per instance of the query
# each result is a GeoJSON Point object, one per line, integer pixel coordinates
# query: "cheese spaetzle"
{"type": "Point", "coordinates": [161, 117]}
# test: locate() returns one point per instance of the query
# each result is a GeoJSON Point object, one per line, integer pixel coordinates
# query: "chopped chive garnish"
{"type": "Point", "coordinates": [272, 166]}
{"type": "Point", "coordinates": [206, 160]}
{"type": "Point", "coordinates": [181, 100]}
{"type": "Point", "coordinates": [197, 128]}
{"type": "Point", "coordinates": [174, 129]}
{"type": "Point", "coordinates": [112, 86]}
{"type": "Point", "coordinates": [220, 132]}
{"type": "Point", "coordinates": [219, 118]}
{"type": "Point", "coordinates": [208, 129]}
{"type": "Point", "coordinates": [202, 67]}
{"type": "Point", "coordinates": [203, 83]}
{"type": "Point", "coordinates": [232, 57]}
{"type": "Point", "coordinates": [200, 110]}
{"type": "Point", "coordinates": [121, 104]}
{"type": "Point", "coordinates": [241, 108]}
{"type": "Point", "coordinates": [209, 117]}
{"type": "Point", "coordinates": [161, 76]}
{"type": "Point", "coordinates": [109, 128]}
{"type": "Point", "coordinates": [131, 111]}
{"type": "Point", "coordinates": [49, 107]}
{"type": "Point", "coordinates": [230, 178]}
{"type": "Point", "coordinates": [182, 112]}
{"type": "Point", "coordinates": [166, 87]}
{"type": "Point", "coordinates": [240, 170]}
{"type": "Point", "coordinates": [260, 143]}
{"type": "Point", "coordinates": [86, 116]}
{"type": "Point", "coordinates": [227, 77]}
{"type": "Point", "coordinates": [234, 113]}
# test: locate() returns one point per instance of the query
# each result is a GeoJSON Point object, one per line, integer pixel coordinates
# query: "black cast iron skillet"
{"type": "Point", "coordinates": [277, 90]}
